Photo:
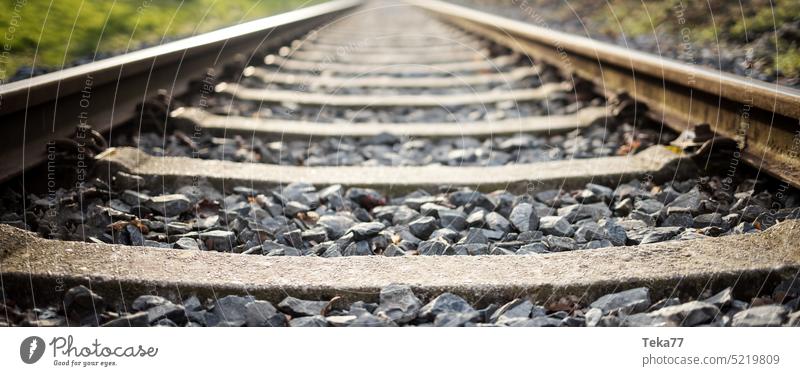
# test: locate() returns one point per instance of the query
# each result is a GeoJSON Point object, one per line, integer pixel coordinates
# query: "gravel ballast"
{"type": "Point", "coordinates": [385, 149]}
{"type": "Point", "coordinates": [397, 305]}
{"type": "Point", "coordinates": [333, 221]}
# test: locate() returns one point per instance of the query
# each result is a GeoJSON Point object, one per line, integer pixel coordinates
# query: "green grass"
{"type": "Point", "coordinates": [788, 62]}
{"type": "Point", "coordinates": [731, 23]}
{"type": "Point", "coordinates": [51, 33]}
{"type": "Point", "coordinates": [765, 18]}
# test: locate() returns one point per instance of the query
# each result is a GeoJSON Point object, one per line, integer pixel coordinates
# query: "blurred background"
{"type": "Point", "coordinates": [755, 38]}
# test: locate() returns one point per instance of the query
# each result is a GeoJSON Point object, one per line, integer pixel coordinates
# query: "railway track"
{"type": "Point", "coordinates": [442, 165]}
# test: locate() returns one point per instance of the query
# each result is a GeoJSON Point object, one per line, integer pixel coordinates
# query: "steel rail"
{"type": "Point", "coordinates": [761, 117]}
{"type": "Point", "coordinates": [39, 110]}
